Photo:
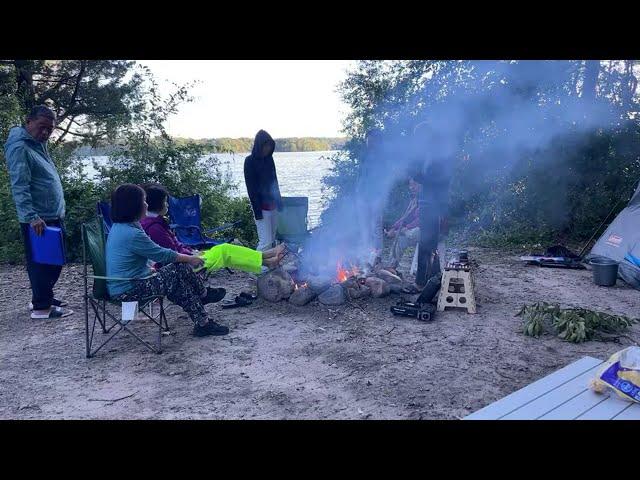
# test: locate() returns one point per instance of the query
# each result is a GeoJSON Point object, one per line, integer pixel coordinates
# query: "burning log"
{"type": "Point", "coordinates": [388, 277]}
{"type": "Point", "coordinates": [355, 288]}
{"type": "Point", "coordinates": [275, 285]}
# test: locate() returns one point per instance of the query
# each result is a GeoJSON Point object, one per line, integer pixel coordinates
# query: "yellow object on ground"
{"type": "Point", "coordinates": [227, 255]}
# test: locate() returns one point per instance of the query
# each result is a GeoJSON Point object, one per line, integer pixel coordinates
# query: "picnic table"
{"type": "Point", "coordinates": [563, 395]}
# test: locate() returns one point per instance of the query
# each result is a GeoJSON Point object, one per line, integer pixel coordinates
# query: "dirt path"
{"type": "Point", "coordinates": [312, 362]}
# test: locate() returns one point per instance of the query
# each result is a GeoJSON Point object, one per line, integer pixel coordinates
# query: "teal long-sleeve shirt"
{"type": "Point", "coordinates": [129, 251]}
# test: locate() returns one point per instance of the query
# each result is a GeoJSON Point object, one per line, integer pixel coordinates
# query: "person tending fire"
{"type": "Point", "coordinates": [434, 173]}
{"type": "Point", "coordinates": [406, 230]}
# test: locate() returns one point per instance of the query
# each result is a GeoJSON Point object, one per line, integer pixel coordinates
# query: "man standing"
{"type": "Point", "coordinates": [37, 193]}
{"type": "Point", "coordinates": [433, 171]}
{"type": "Point", "coordinates": [406, 230]}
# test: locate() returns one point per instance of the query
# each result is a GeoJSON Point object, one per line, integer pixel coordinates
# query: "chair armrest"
{"type": "Point", "coordinates": [223, 227]}
{"type": "Point", "coordinates": [174, 226]}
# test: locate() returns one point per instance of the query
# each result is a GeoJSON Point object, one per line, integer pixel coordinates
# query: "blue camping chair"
{"type": "Point", "coordinates": [185, 221]}
{"type": "Point", "coordinates": [104, 211]}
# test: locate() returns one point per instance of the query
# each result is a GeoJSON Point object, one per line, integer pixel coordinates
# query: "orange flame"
{"type": "Point", "coordinates": [343, 274]}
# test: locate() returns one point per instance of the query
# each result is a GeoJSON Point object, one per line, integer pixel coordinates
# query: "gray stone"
{"type": "Point", "coordinates": [318, 283]}
{"type": "Point", "coordinates": [275, 285]}
{"type": "Point", "coordinates": [379, 288]}
{"type": "Point", "coordinates": [333, 296]}
{"type": "Point", "coordinates": [302, 296]}
{"type": "Point", "coordinates": [360, 291]}
{"type": "Point", "coordinates": [389, 277]}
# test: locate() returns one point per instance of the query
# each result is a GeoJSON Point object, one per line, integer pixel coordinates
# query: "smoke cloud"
{"type": "Point", "coordinates": [498, 118]}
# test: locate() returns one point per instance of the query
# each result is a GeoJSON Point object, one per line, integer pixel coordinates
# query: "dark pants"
{"type": "Point", "coordinates": [429, 233]}
{"type": "Point", "coordinates": [179, 283]}
{"type": "Point", "coordinates": [42, 277]}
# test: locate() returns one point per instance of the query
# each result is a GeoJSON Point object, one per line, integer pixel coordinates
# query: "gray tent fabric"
{"type": "Point", "coordinates": [622, 237]}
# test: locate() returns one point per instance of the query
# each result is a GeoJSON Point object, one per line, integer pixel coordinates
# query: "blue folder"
{"type": "Point", "coordinates": [47, 248]}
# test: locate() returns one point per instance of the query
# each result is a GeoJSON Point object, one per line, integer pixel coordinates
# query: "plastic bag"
{"type": "Point", "coordinates": [621, 373]}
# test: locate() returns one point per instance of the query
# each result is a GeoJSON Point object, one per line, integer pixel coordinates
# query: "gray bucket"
{"type": "Point", "coordinates": [605, 271]}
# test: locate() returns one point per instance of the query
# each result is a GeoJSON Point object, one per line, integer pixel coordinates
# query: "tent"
{"type": "Point", "coordinates": [621, 242]}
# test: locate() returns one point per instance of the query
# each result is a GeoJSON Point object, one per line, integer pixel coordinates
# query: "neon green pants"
{"type": "Point", "coordinates": [232, 256]}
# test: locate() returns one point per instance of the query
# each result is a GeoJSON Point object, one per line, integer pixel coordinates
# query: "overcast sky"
{"type": "Point", "coordinates": [236, 98]}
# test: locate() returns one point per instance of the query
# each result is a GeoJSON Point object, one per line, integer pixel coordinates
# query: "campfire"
{"type": "Point", "coordinates": [332, 286]}
{"type": "Point", "coordinates": [342, 274]}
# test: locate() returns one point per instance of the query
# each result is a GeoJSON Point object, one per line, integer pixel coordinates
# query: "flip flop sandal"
{"type": "Point", "coordinates": [214, 295]}
{"type": "Point", "coordinates": [248, 296]}
{"type": "Point", "coordinates": [238, 302]}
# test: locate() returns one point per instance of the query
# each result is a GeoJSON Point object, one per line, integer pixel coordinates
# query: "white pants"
{"type": "Point", "coordinates": [400, 244]}
{"type": "Point", "coordinates": [267, 230]}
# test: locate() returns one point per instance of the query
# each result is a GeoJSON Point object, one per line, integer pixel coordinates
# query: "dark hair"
{"type": "Point", "coordinates": [126, 203]}
{"type": "Point", "coordinates": [41, 111]}
{"type": "Point", "coordinates": [156, 195]}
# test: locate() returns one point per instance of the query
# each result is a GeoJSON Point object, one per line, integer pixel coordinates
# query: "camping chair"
{"type": "Point", "coordinates": [292, 221]}
{"type": "Point", "coordinates": [93, 250]}
{"type": "Point", "coordinates": [185, 222]}
{"type": "Point", "coordinates": [104, 211]}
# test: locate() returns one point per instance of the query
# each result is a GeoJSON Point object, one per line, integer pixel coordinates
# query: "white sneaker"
{"type": "Point", "coordinates": [54, 312]}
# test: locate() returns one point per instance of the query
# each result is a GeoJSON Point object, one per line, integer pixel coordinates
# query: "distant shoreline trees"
{"type": "Point", "coordinates": [291, 144]}
{"type": "Point", "coordinates": [237, 145]}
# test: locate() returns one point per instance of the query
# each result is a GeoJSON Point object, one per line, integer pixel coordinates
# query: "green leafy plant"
{"type": "Point", "coordinates": [572, 324]}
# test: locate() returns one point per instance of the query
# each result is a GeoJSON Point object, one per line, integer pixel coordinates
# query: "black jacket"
{"type": "Point", "coordinates": [260, 176]}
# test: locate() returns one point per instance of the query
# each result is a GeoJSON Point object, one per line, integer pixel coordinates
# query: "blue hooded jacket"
{"type": "Point", "coordinates": [35, 183]}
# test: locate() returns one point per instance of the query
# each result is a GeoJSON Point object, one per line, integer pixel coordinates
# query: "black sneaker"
{"type": "Point", "coordinates": [53, 312]}
{"type": "Point", "coordinates": [54, 303]}
{"type": "Point", "coordinates": [211, 328]}
{"type": "Point", "coordinates": [214, 295]}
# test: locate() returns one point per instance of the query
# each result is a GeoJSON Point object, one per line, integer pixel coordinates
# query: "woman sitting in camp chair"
{"type": "Point", "coordinates": [128, 252]}
{"type": "Point", "coordinates": [225, 255]}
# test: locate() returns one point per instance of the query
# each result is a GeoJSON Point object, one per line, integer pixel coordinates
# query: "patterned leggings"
{"type": "Point", "coordinates": [179, 283]}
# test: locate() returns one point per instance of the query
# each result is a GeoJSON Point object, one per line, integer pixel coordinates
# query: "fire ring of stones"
{"type": "Point", "coordinates": [300, 289]}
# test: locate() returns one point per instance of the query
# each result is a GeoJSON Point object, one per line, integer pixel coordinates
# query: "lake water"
{"type": "Point", "coordinates": [299, 174]}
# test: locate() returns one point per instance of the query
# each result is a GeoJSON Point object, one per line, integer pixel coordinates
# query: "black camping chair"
{"type": "Point", "coordinates": [93, 250]}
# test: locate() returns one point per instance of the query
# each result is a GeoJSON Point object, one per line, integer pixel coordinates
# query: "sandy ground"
{"type": "Point", "coordinates": [287, 362]}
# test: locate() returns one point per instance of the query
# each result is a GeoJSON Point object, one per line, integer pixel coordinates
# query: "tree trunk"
{"type": "Point", "coordinates": [590, 80]}
{"type": "Point", "coordinates": [24, 81]}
